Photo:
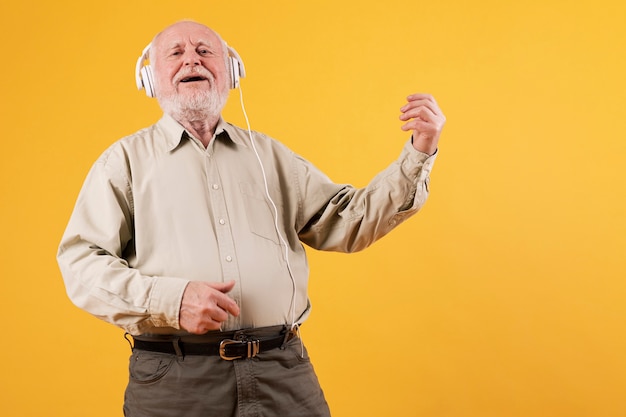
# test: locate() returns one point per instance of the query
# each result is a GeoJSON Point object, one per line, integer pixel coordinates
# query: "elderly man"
{"type": "Point", "coordinates": [188, 235]}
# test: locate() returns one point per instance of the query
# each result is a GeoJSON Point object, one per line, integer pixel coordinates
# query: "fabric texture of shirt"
{"type": "Point", "coordinates": [158, 210]}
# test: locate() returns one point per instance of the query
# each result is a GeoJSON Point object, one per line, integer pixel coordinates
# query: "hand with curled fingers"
{"type": "Point", "coordinates": [206, 305]}
{"type": "Point", "coordinates": [424, 117]}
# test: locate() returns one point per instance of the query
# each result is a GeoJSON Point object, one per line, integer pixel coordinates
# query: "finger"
{"type": "Point", "coordinates": [420, 112]}
{"type": "Point", "coordinates": [227, 305]}
{"type": "Point", "coordinates": [417, 106]}
{"type": "Point", "coordinates": [419, 126]}
{"type": "Point", "coordinates": [422, 97]}
{"type": "Point", "coordinates": [212, 319]}
{"type": "Point", "coordinates": [419, 100]}
{"type": "Point", "coordinates": [222, 286]}
{"type": "Point", "coordinates": [218, 314]}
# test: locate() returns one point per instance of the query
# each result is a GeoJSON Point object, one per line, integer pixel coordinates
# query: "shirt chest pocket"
{"type": "Point", "coordinates": [259, 212]}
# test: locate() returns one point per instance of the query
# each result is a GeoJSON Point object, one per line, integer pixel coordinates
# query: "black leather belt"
{"type": "Point", "coordinates": [228, 345]}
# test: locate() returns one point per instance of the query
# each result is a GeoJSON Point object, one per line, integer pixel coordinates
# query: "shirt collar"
{"type": "Point", "coordinates": [174, 132]}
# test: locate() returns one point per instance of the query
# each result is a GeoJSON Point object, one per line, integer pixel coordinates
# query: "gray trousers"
{"type": "Point", "coordinates": [276, 383]}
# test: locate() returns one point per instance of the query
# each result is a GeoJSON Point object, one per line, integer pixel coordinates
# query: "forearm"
{"type": "Point", "coordinates": [355, 218]}
{"type": "Point", "coordinates": [106, 287]}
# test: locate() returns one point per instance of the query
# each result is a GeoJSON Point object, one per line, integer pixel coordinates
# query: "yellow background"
{"type": "Point", "coordinates": [504, 297]}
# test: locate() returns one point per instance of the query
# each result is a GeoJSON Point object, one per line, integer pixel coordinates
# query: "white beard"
{"type": "Point", "coordinates": [201, 105]}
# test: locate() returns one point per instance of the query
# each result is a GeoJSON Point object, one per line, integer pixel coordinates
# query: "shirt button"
{"type": "Point", "coordinates": [215, 186]}
{"type": "Point", "coordinates": [229, 258]}
{"type": "Point", "coordinates": [222, 221]}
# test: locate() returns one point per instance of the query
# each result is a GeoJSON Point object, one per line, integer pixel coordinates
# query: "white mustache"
{"type": "Point", "coordinates": [194, 71]}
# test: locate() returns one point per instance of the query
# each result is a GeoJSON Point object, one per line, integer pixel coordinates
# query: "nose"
{"type": "Point", "coordinates": [191, 58]}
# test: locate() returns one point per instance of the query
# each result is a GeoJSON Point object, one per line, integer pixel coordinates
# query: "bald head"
{"type": "Point", "coordinates": [185, 26]}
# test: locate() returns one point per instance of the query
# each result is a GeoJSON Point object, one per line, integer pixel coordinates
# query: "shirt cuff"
{"type": "Point", "coordinates": [421, 163]}
{"type": "Point", "coordinates": [165, 299]}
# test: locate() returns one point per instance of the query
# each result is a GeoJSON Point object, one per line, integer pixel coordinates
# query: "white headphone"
{"type": "Point", "coordinates": [144, 77]}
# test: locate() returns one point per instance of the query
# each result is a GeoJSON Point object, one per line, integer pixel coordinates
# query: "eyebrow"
{"type": "Point", "coordinates": [180, 44]}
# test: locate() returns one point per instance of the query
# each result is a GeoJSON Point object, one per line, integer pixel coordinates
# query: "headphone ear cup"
{"type": "Point", "coordinates": [237, 69]}
{"type": "Point", "coordinates": [234, 72]}
{"type": "Point", "coordinates": [143, 73]}
{"type": "Point", "coordinates": [148, 80]}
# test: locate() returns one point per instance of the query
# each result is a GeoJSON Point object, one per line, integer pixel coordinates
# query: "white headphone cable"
{"type": "Point", "coordinates": [282, 240]}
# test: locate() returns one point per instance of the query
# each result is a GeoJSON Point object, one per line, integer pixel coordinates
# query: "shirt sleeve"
{"type": "Point", "coordinates": [95, 248]}
{"type": "Point", "coordinates": [343, 218]}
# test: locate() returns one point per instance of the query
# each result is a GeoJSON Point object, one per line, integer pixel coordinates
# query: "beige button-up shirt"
{"type": "Point", "coordinates": [158, 210]}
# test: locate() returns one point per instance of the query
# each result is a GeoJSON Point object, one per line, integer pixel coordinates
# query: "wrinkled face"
{"type": "Point", "coordinates": [190, 74]}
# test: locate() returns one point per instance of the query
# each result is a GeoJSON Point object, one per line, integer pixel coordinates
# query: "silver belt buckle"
{"type": "Point", "coordinates": [253, 349]}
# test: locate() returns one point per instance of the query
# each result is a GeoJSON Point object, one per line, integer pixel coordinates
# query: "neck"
{"type": "Point", "coordinates": [203, 128]}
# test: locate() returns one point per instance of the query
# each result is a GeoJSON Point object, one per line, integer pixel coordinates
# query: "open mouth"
{"type": "Point", "coordinates": [192, 79]}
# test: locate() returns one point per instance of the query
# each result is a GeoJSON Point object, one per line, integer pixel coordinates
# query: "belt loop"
{"type": "Point", "coordinates": [128, 340]}
{"type": "Point", "coordinates": [286, 338]}
{"type": "Point", "coordinates": [176, 344]}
